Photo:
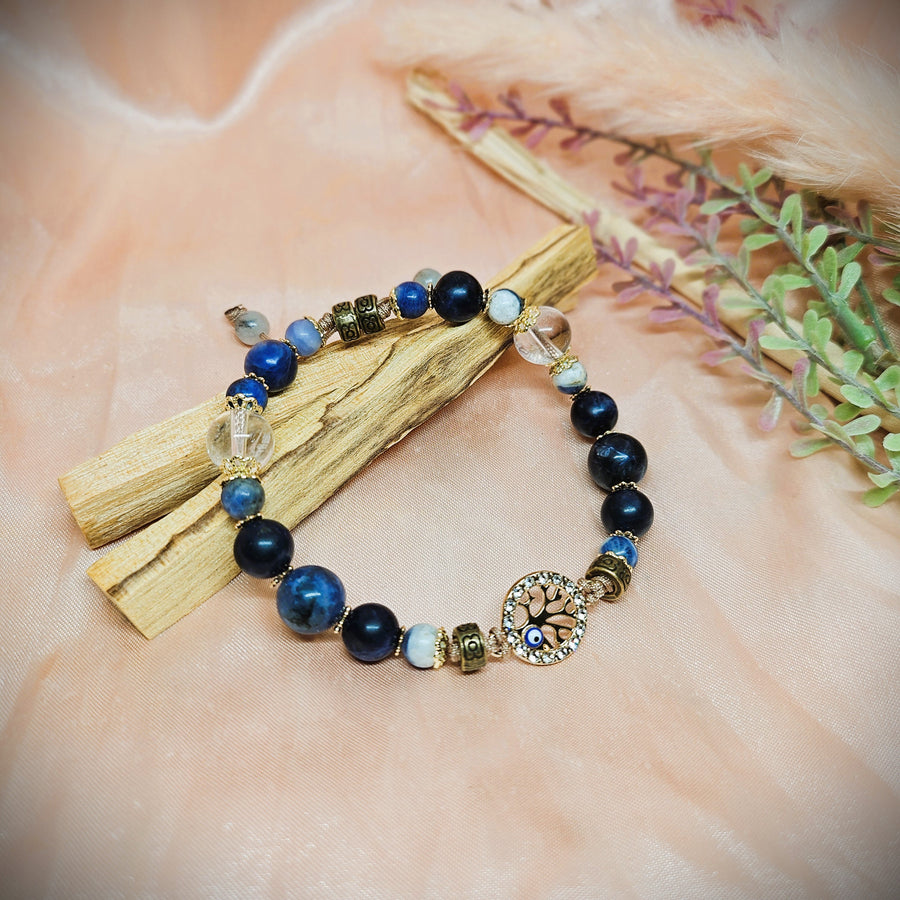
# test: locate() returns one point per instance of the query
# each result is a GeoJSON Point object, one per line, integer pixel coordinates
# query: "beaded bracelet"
{"type": "Point", "coordinates": [544, 614]}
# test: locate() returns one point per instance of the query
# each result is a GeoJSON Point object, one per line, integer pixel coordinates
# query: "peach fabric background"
{"type": "Point", "coordinates": [729, 730]}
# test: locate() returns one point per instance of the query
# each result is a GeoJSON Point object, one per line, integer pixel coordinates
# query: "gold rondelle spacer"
{"type": "Point", "coordinates": [258, 378]}
{"type": "Point", "coordinates": [240, 467]}
{"type": "Point", "coordinates": [624, 484]}
{"type": "Point", "coordinates": [242, 522]}
{"type": "Point", "coordinates": [397, 650]}
{"type": "Point", "coordinates": [440, 648]}
{"type": "Point", "coordinates": [281, 575]}
{"type": "Point", "coordinates": [243, 401]}
{"type": "Point", "coordinates": [526, 319]}
{"type": "Point", "coordinates": [566, 361]}
{"type": "Point", "coordinates": [497, 643]}
{"type": "Point", "coordinates": [340, 623]}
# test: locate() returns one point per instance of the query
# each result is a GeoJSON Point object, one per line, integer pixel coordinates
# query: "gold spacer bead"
{"type": "Point", "coordinates": [340, 622]}
{"type": "Point", "coordinates": [526, 319]}
{"type": "Point", "coordinates": [440, 648]}
{"type": "Point", "coordinates": [397, 650]}
{"type": "Point", "coordinates": [470, 643]}
{"type": "Point", "coordinates": [626, 534]}
{"type": "Point", "coordinates": [281, 575]}
{"type": "Point", "coordinates": [587, 387]}
{"type": "Point", "coordinates": [243, 401]}
{"type": "Point", "coordinates": [242, 522]}
{"type": "Point", "coordinates": [566, 361]}
{"type": "Point", "coordinates": [260, 379]}
{"type": "Point", "coordinates": [240, 467]}
{"type": "Point", "coordinates": [614, 571]}
{"type": "Point", "coordinates": [497, 643]}
{"type": "Point", "coordinates": [622, 485]}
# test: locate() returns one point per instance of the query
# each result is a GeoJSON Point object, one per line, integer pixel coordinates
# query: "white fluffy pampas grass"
{"type": "Point", "coordinates": [819, 111]}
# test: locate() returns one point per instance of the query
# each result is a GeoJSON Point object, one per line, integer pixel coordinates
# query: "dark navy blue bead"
{"type": "Point", "coordinates": [621, 546]}
{"type": "Point", "coordinates": [627, 510]}
{"type": "Point", "coordinates": [593, 413]}
{"type": "Point", "coordinates": [249, 387]}
{"type": "Point", "coordinates": [242, 497]}
{"type": "Point", "coordinates": [412, 299]}
{"type": "Point", "coordinates": [263, 548]}
{"type": "Point", "coordinates": [457, 297]}
{"type": "Point", "coordinates": [370, 632]}
{"type": "Point", "coordinates": [615, 458]}
{"type": "Point", "coordinates": [310, 599]}
{"type": "Point", "coordinates": [274, 362]}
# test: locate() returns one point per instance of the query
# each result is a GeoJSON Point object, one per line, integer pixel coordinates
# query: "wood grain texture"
{"type": "Point", "coordinates": [506, 156]}
{"type": "Point", "coordinates": [350, 403]}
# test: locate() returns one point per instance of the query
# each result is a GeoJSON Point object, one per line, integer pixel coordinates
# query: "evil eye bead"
{"type": "Point", "coordinates": [533, 637]}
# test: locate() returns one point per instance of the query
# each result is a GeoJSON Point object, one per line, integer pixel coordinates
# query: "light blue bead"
{"type": "Point", "coordinates": [571, 380]}
{"type": "Point", "coordinates": [505, 306]}
{"type": "Point", "coordinates": [418, 646]}
{"type": "Point", "coordinates": [427, 276]}
{"type": "Point", "coordinates": [621, 546]}
{"type": "Point", "coordinates": [304, 335]}
{"type": "Point", "coordinates": [242, 497]}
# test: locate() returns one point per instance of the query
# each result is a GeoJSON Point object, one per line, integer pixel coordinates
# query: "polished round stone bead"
{"type": "Point", "coordinates": [263, 548]}
{"type": "Point", "coordinates": [627, 510]}
{"type": "Point", "coordinates": [250, 326]}
{"type": "Point", "coordinates": [418, 645]}
{"type": "Point", "coordinates": [615, 458]}
{"type": "Point", "coordinates": [249, 387]}
{"type": "Point", "coordinates": [239, 432]}
{"type": "Point", "coordinates": [412, 299]}
{"type": "Point", "coordinates": [310, 599]}
{"type": "Point", "coordinates": [274, 362]}
{"type": "Point", "coordinates": [457, 297]}
{"type": "Point", "coordinates": [504, 306]}
{"type": "Point", "coordinates": [594, 413]}
{"type": "Point", "coordinates": [619, 545]}
{"type": "Point", "coordinates": [571, 380]}
{"type": "Point", "coordinates": [370, 632]}
{"type": "Point", "coordinates": [242, 497]}
{"type": "Point", "coordinates": [547, 339]}
{"type": "Point", "coordinates": [427, 276]}
{"type": "Point", "coordinates": [304, 335]}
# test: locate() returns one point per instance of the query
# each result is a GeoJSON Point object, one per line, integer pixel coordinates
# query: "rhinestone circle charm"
{"type": "Point", "coordinates": [544, 616]}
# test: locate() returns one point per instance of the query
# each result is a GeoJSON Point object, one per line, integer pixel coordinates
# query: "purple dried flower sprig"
{"type": "Point", "coordinates": [821, 243]}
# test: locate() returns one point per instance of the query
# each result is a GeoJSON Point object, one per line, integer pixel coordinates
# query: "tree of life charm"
{"type": "Point", "coordinates": [544, 616]}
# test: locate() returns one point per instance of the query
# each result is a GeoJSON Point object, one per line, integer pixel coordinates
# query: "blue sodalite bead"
{"type": "Point", "coordinates": [621, 546]}
{"type": "Point", "coordinates": [249, 387]}
{"type": "Point", "coordinates": [627, 510]}
{"type": "Point", "coordinates": [457, 297]}
{"type": "Point", "coordinates": [412, 299]}
{"type": "Point", "coordinates": [370, 632]}
{"type": "Point", "coordinates": [593, 413]}
{"type": "Point", "coordinates": [615, 458]}
{"type": "Point", "coordinates": [263, 548]}
{"type": "Point", "coordinates": [274, 362]}
{"type": "Point", "coordinates": [304, 335]}
{"type": "Point", "coordinates": [310, 599]}
{"type": "Point", "coordinates": [242, 497]}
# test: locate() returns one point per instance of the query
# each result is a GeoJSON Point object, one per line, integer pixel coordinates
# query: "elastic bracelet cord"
{"type": "Point", "coordinates": [544, 614]}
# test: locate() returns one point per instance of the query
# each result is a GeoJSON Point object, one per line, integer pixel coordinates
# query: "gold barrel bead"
{"type": "Point", "coordinates": [472, 651]}
{"type": "Point", "coordinates": [613, 570]}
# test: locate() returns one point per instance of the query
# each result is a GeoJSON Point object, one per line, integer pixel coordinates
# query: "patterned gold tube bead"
{"type": "Point", "coordinates": [368, 315]}
{"type": "Point", "coordinates": [472, 652]}
{"type": "Point", "coordinates": [346, 322]}
{"type": "Point", "coordinates": [615, 571]}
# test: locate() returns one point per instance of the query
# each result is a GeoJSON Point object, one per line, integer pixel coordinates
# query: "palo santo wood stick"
{"type": "Point", "coordinates": [511, 160]}
{"type": "Point", "coordinates": [351, 403]}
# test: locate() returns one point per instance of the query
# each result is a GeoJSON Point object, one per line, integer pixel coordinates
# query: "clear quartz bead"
{"type": "Point", "coordinates": [547, 340]}
{"type": "Point", "coordinates": [240, 432]}
{"type": "Point", "coordinates": [250, 327]}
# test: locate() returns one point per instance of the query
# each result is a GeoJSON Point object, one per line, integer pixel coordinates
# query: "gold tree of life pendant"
{"type": "Point", "coordinates": [544, 616]}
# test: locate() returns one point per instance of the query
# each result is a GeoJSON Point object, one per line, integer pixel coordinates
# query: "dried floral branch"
{"type": "Point", "coordinates": [820, 243]}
